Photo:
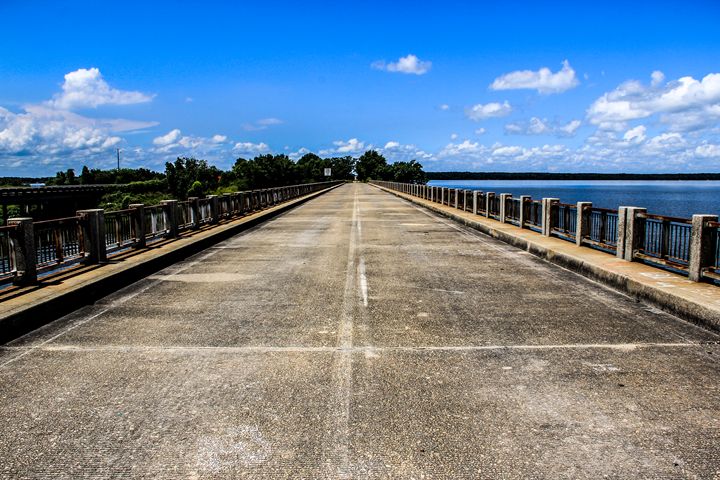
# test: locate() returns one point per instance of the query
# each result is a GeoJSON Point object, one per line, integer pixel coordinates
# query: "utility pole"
{"type": "Point", "coordinates": [118, 157]}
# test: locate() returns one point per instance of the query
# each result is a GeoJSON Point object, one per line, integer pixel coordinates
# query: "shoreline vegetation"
{"type": "Point", "coordinates": [568, 176]}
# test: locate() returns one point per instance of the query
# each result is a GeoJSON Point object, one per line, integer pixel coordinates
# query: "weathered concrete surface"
{"type": "Point", "coordinates": [672, 292]}
{"type": "Point", "coordinates": [360, 336]}
{"type": "Point", "coordinates": [26, 308]}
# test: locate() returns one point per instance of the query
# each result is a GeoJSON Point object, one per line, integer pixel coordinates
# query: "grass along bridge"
{"type": "Point", "coordinates": [359, 335]}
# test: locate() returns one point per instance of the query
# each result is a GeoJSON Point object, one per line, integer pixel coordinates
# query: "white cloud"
{"type": "Point", "coordinates": [462, 150]}
{"type": "Point", "coordinates": [453, 136]}
{"type": "Point", "coordinates": [635, 135]}
{"type": "Point", "coordinates": [570, 128]}
{"type": "Point", "coordinates": [86, 88]}
{"type": "Point", "coordinates": [269, 121]}
{"type": "Point", "coordinates": [219, 138]}
{"type": "Point", "coordinates": [708, 150]}
{"type": "Point", "coordinates": [489, 110]}
{"type": "Point", "coordinates": [409, 64]}
{"type": "Point", "coordinates": [509, 151]}
{"type": "Point", "coordinates": [665, 143]}
{"type": "Point", "coordinates": [171, 137]}
{"type": "Point", "coordinates": [251, 148]}
{"type": "Point", "coordinates": [398, 152]}
{"type": "Point", "coordinates": [538, 126]}
{"type": "Point", "coordinates": [685, 104]}
{"type": "Point", "coordinates": [543, 80]}
{"type": "Point", "coordinates": [261, 124]}
{"type": "Point", "coordinates": [656, 78]}
{"type": "Point", "coordinates": [47, 132]}
{"type": "Point", "coordinates": [480, 131]}
{"type": "Point", "coordinates": [351, 146]}
{"type": "Point", "coordinates": [445, 107]}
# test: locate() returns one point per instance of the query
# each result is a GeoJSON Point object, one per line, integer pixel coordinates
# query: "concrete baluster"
{"type": "Point", "coordinates": [93, 226]}
{"type": "Point", "coordinates": [631, 232]}
{"type": "Point", "coordinates": [488, 200]}
{"type": "Point", "coordinates": [170, 214]}
{"type": "Point", "coordinates": [524, 205]}
{"type": "Point", "coordinates": [548, 205]}
{"type": "Point", "coordinates": [22, 242]}
{"type": "Point", "coordinates": [503, 206]}
{"type": "Point", "coordinates": [582, 223]}
{"type": "Point", "coordinates": [702, 246]}
{"type": "Point", "coordinates": [138, 222]}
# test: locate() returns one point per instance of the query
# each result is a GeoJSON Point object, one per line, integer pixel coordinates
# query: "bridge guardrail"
{"type": "Point", "coordinates": [690, 246]}
{"type": "Point", "coordinates": [28, 248]}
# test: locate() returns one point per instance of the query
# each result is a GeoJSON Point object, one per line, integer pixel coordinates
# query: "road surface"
{"type": "Point", "coordinates": [359, 336]}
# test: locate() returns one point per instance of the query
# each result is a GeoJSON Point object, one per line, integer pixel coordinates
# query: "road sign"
{"type": "Point", "coordinates": [328, 172]}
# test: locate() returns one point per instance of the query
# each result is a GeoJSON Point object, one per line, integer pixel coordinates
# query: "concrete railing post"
{"type": "Point", "coordinates": [170, 214]}
{"type": "Point", "coordinates": [457, 197]}
{"type": "Point", "coordinates": [631, 232]}
{"type": "Point", "coordinates": [475, 202]}
{"type": "Point", "coordinates": [93, 225]}
{"type": "Point", "coordinates": [503, 206]}
{"type": "Point", "coordinates": [22, 243]}
{"type": "Point", "coordinates": [702, 246]}
{"type": "Point", "coordinates": [488, 200]}
{"type": "Point", "coordinates": [524, 203]}
{"type": "Point", "coordinates": [547, 215]}
{"type": "Point", "coordinates": [214, 208]}
{"type": "Point", "coordinates": [138, 221]}
{"type": "Point", "coordinates": [582, 224]}
{"type": "Point", "coordinates": [194, 204]}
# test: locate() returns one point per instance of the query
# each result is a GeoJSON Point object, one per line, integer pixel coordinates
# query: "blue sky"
{"type": "Point", "coordinates": [508, 86]}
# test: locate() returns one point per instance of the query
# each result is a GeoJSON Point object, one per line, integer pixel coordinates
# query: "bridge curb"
{"type": "Point", "coordinates": [663, 299]}
{"type": "Point", "coordinates": [22, 320]}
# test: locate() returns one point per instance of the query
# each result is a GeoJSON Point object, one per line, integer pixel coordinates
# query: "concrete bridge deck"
{"type": "Point", "coordinates": [359, 336]}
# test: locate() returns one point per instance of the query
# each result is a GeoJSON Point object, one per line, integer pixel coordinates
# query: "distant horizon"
{"type": "Point", "coordinates": [455, 86]}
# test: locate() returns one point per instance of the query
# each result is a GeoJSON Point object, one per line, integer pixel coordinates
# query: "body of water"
{"type": "Point", "coordinates": [673, 198]}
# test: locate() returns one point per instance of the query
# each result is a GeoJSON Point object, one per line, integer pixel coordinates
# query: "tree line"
{"type": "Point", "coordinates": [568, 176]}
{"type": "Point", "coordinates": [189, 177]}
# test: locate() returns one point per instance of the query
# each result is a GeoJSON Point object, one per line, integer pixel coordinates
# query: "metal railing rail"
{"type": "Point", "coordinates": [533, 217]}
{"type": "Point", "coordinates": [564, 218]}
{"type": "Point", "coordinates": [602, 228]}
{"type": "Point", "coordinates": [512, 210]}
{"type": "Point", "coordinates": [58, 242]}
{"type": "Point", "coordinates": [7, 255]}
{"type": "Point", "coordinates": [712, 270]}
{"type": "Point", "coordinates": [120, 230]}
{"type": "Point", "coordinates": [666, 240]}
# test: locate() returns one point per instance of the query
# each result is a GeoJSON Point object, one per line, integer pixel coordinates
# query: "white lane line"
{"type": "Point", "coordinates": [342, 374]}
{"type": "Point", "coordinates": [359, 349]}
{"type": "Point", "coordinates": [363, 281]}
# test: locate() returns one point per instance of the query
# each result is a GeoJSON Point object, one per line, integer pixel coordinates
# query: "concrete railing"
{"type": "Point", "coordinates": [28, 248]}
{"type": "Point", "coordinates": [687, 246]}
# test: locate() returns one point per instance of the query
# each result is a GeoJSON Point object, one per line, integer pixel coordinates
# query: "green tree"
{"type": "Point", "coordinates": [371, 165]}
{"type": "Point", "coordinates": [86, 176]}
{"type": "Point", "coordinates": [182, 173]}
{"type": "Point", "coordinates": [311, 168]}
{"type": "Point", "coordinates": [342, 168]}
{"type": "Point", "coordinates": [407, 172]}
{"type": "Point", "coordinates": [264, 171]}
